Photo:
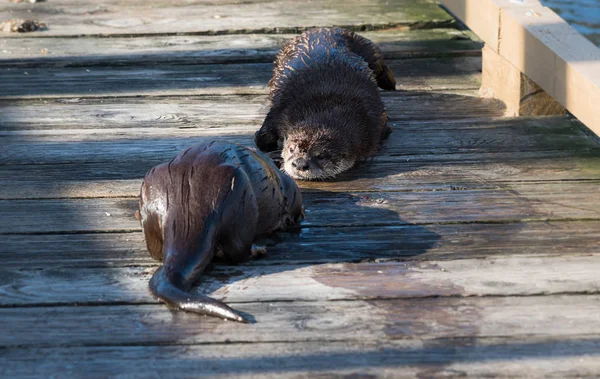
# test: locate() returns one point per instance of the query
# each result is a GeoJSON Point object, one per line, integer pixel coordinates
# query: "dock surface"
{"type": "Point", "coordinates": [469, 246]}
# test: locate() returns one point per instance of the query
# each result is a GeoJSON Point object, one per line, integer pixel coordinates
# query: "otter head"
{"type": "Point", "coordinates": [315, 153]}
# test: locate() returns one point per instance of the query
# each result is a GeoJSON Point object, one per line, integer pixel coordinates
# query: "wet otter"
{"type": "Point", "coordinates": [213, 199]}
{"type": "Point", "coordinates": [325, 104]}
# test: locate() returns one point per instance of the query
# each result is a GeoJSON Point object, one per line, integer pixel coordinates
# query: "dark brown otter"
{"type": "Point", "coordinates": [211, 200]}
{"type": "Point", "coordinates": [325, 104]}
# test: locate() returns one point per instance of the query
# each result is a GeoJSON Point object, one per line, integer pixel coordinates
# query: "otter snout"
{"type": "Point", "coordinates": [301, 164]}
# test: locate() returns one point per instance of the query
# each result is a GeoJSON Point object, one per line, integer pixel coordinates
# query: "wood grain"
{"type": "Point", "coordinates": [414, 173]}
{"type": "Point", "coordinates": [531, 357]}
{"type": "Point", "coordinates": [506, 276]}
{"type": "Point", "coordinates": [209, 112]}
{"type": "Point", "coordinates": [395, 43]}
{"type": "Point", "coordinates": [533, 202]}
{"type": "Point", "coordinates": [467, 247]}
{"type": "Point", "coordinates": [127, 18]}
{"type": "Point", "coordinates": [515, 135]}
{"type": "Point", "coordinates": [250, 78]}
{"type": "Point", "coordinates": [314, 245]}
{"type": "Point", "coordinates": [373, 320]}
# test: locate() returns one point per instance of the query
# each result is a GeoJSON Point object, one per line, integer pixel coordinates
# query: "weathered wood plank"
{"type": "Point", "coordinates": [324, 245]}
{"type": "Point", "coordinates": [204, 112]}
{"type": "Point", "coordinates": [124, 18]}
{"type": "Point", "coordinates": [533, 202]}
{"type": "Point", "coordinates": [395, 43]}
{"type": "Point", "coordinates": [545, 316]}
{"type": "Point", "coordinates": [502, 135]}
{"type": "Point", "coordinates": [514, 276]}
{"type": "Point", "coordinates": [414, 173]}
{"type": "Point", "coordinates": [531, 357]}
{"type": "Point", "coordinates": [250, 78]}
{"type": "Point", "coordinates": [289, 301]}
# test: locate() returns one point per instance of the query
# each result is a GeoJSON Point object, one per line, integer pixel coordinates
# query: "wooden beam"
{"type": "Point", "coordinates": [542, 46]}
{"type": "Point", "coordinates": [521, 96]}
{"type": "Point", "coordinates": [554, 55]}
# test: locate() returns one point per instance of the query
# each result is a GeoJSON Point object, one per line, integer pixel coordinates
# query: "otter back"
{"type": "Point", "coordinates": [212, 199]}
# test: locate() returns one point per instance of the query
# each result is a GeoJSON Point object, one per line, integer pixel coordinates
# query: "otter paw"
{"type": "Point", "coordinates": [258, 251]}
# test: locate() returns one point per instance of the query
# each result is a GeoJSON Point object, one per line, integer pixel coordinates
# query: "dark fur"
{"type": "Point", "coordinates": [212, 199]}
{"type": "Point", "coordinates": [325, 82]}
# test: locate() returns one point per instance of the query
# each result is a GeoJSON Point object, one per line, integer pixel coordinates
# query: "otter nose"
{"type": "Point", "coordinates": [301, 164]}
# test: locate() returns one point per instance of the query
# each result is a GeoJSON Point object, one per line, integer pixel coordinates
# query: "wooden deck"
{"type": "Point", "coordinates": [470, 246]}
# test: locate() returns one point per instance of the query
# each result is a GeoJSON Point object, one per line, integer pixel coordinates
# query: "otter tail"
{"type": "Point", "coordinates": [164, 289]}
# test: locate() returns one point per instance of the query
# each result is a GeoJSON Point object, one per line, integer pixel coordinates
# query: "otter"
{"type": "Point", "coordinates": [213, 199]}
{"type": "Point", "coordinates": [325, 105]}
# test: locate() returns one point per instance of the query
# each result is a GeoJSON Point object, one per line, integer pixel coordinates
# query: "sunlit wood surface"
{"type": "Point", "coordinates": [469, 246]}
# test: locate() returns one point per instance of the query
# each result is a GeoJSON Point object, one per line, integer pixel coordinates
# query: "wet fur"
{"type": "Point", "coordinates": [325, 84]}
{"type": "Point", "coordinates": [212, 199]}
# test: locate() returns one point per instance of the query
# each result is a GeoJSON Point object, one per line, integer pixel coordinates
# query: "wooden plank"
{"type": "Point", "coordinates": [126, 18]}
{"type": "Point", "coordinates": [250, 78]}
{"type": "Point", "coordinates": [373, 320]}
{"type": "Point", "coordinates": [535, 134]}
{"type": "Point", "coordinates": [395, 43]}
{"type": "Point", "coordinates": [537, 202]}
{"type": "Point", "coordinates": [96, 146]}
{"type": "Point", "coordinates": [386, 173]}
{"type": "Point", "coordinates": [531, 357]}
{"type": "Point", "coordinates": [324, 245]}
{"type": "Point", "coordinates": [204, 112]}
{"type": "Point", "coordinates": [514, 276]}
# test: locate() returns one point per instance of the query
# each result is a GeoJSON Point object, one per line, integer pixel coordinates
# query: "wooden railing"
{"type": "Point", "coordinates": [533, 60]}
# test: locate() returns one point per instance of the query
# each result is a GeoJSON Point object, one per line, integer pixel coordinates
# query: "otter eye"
{"type": "Point", "coordinates": [291, 149]}
{"type": "Point", "coordinates": [321, 157]}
